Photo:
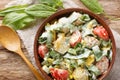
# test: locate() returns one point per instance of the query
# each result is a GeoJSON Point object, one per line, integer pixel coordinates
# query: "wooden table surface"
{"type": "Point", "coordinates": [12, 67]}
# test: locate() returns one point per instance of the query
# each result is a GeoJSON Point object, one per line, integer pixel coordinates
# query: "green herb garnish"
{"type": "Point", "coordinates": [17, 20]}
{"type": "Point", "coordinates": [20, 16]}
{"type": "Point", "coordinates": [93, 5]}
{"type": "Point", "coordinates": [52, 3]}
{"type": "Point", "coordinates": [40, 10]}
{"type": "Point", "coordinates": [18, 8]}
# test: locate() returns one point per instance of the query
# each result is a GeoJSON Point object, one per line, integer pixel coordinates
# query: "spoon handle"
{"type": "Point", "coordinates": [35, 72]}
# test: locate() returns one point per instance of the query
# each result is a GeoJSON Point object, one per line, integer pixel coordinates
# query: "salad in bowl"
{"type": "Point", "coordinates": [75, 46]}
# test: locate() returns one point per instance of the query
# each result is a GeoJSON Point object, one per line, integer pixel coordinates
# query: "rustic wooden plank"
{"type": "Point", "coordinates": [115, 25]}
{"type": "Point", "coordinates": [12, 67]}
{"type": "Point", "coordinates": [111, 7]}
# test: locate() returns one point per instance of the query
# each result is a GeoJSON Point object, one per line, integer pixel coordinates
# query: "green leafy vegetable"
{"type": "Point", "coordinates": [46, 37]}
{"type": "Point", "coordinates": [94, 69]}
{"type": "Point", "coordinates": [54, 54]}
{"type": "Point", "coordinates": [106, 46]}
{"type": "Point", "coordinates": [19, 8]}
{"type": "Point", "coordinates": [79, 48]}
{"type": "Point", "coordinates": [17, 20]}
{"type": "Point", "coordinates": [57, 61]}
{"type": "Point", "coordinates": [52, 3]}
{"type": "Point", "coordinates": [42, 40]}
{"type": "Point", "coordinates": [97, 52]}
{"type": "Point", "coordinates": [93, 5]}
{"type": "Point", "coordinates": [93, 76]}
{"type": "Point", "coordinates": [85, 17]}
{"type": "Point", "coordinates": [21, 16]}
{"type": "Point", "coordinates": [84, 55]}
{"type": "Point", "coordinates": [72, 51]}
{"type": "Point", "coordinates": [40, 10]}
{"type": "Point", "coordinates": [106, 43]}
{"type": "Point", "coordinates": [73, 63]}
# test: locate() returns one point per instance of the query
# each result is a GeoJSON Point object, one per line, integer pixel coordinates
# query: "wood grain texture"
{"type": "Point", "coordinates": [12, 67]}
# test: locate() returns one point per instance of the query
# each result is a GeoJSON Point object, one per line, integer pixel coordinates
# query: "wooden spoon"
{"type": "Point", "coordinates": [10, 40]}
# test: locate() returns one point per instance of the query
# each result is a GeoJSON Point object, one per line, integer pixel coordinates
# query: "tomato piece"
{"type": "Point", "coordinates": [75, 38]}
{"type": "Point", "coordinates": [59, 74]}
{"type": "Point", "coordinates": [42, 50]}
{"type": "Point", "coordinates": [101, 32]}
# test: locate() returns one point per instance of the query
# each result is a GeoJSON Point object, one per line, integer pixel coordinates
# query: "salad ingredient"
{"type": "Point", "coordinates": [90, 41]}
{"type": "Point", "coordinates": [40, 10]}
{"type": "Point", "coordinates": [72, 51]}
{"type": "Point", "coordinates": [101, 32]}
{"type": "Point", "coordinates": [18, 8]}
{"type": "Point", "coordinates": [52, 3]}
{"type": "Point", "coordinates": [103, 64]}
{"type": "Point", "coordinates": [20, 19]}
{"type": "Point", "coordinates": [90, 60]}
{"type": "Point", "coordinates": [75, 38]}
{"type": "Point", "coordinates": [85, 54]}
{"type": "Point", "coordinates": [87, 29]}
{"type": "Point", "coordinates": [93, 5]}
{"type": "Point", "coordinates": [54, 54]}
{"type": "Point", "coordinates": [42, 50]}
{"type": "Point", "coordinates": [47, 37]}
{"type": "Point", "coordinates": [106, 46]}
{"type": "Point", "coordinates": [59, 74]}
{"type": "Point", "coordinates": [46, 69]}
{"type": "Point", "coordinates": [74, 16]}
{"type": "Point", "coordinates": [74, 48]}
{"type": "Point", "coordinates": [85, 17]}
{"type": "Point", "coordinates": [32, 12]}
{"type": "Point", "coordinates": [97, 52]}
{"type": "Point", "coordinates": [17, 20]}
{"type": "Point", "coordinates": [60, 44]}
{"type": "Point", "coordinates": [94, 70]}
{"type": "Point", "coordinates": [78, 22]}
{"type": "Point", "coordinates": [80, 74]}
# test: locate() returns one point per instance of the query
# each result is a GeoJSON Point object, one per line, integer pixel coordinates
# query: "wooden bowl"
{"type": "Point", "coordinates": [67, 12]}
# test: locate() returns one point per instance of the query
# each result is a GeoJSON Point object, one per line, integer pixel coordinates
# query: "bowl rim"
{"type": "Point", "coordinates": [68, 11]}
